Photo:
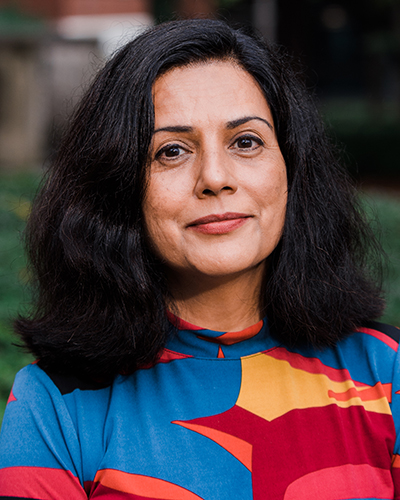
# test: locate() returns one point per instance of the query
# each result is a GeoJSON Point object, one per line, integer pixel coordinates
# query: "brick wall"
{"type": "Point", "coordinates": [61, 8]}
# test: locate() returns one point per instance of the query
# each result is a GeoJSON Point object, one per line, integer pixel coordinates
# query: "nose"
{"type": "Point", "coordinates": [215, 175]}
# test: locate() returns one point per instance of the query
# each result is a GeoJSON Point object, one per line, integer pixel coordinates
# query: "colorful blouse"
{"type": "Point", "coordinates": [220, 416]}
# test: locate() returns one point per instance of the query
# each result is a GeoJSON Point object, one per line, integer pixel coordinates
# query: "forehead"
{"type": "Point", "coordinates": [214, 89]}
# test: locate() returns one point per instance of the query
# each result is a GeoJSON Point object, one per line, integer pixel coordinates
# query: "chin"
{"type": "Point", "coordinates": [225, 270]}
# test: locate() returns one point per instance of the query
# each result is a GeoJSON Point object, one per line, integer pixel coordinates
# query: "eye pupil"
{"type": "Point", "coordinates": [245, 142]}
{"type": "Point", "coordinates": [172, 151]}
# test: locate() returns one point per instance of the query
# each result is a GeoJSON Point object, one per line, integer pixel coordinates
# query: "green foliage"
{"type": "Point", "coordinates": [16, 191]}
{"type": "Point", "coordinates": [14, 21]}
{"type": "Point", "coordinates": [368, 133]}
{"type": "Point", "coordinates": [385, 209]}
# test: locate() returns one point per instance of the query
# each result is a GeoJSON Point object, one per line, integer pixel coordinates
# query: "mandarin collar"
{"type": "Point", "coordinates": [195, 341]}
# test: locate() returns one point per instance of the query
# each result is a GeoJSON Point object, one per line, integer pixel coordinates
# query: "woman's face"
{"type": "Point", "coordinates": [216, 199]}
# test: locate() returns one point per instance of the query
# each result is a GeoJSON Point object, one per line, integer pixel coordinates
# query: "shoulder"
{"type": "Point", "coordinates": [368, 355]}
{"type": "Point", "coordinates": [374, 343]}
{"type": "Point", "coordinates": [33, 378]}
{"type": "Point", "coordinates": [382, 333]}
{"type": "Point", "coordinates": [49, 397]}
{"type": "Point", "coordinates": [67, 384]}
{"type": "Point", "coordinates": [44, 412]}
{"type": "Point", "coordinates": [371, 353]}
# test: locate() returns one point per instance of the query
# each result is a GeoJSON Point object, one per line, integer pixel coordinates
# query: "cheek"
{"type": "Point", "coordinates": [159, 222]}
{"type": "Point", "coordinates": [152, 213]}
{"type": "Point", "coordinates": [273, 200]}
{"type": "Point", "coordinates": [271, 187]}
{"type": "Point", "coordinates": [153, 223]}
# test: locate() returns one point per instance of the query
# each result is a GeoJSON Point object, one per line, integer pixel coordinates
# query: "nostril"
{"type": "Point", "coordinates": [214, 192]}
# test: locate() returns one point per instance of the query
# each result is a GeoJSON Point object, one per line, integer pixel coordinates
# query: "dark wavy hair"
{"type": "Point", "coordinates": [99, 306]}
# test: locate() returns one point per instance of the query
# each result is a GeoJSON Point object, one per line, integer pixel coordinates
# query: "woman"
{"type": "Point", "coordinates": [196, 187]}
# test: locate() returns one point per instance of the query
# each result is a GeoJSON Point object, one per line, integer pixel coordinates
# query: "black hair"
{"type": "Point", "coordinates": [100, 294]}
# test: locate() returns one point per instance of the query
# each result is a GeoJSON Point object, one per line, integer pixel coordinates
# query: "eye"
{"type": "Point", "coordinates": [247, 142]}
{"type": "Point", "coordinates": [170, 151]}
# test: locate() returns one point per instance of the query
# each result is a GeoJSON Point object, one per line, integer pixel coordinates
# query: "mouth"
{"type": "Point", "coordinates": [219, 223]}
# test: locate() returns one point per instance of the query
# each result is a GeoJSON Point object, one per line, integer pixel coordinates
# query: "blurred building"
{"type": "Point", "coordinates": [49, 49]}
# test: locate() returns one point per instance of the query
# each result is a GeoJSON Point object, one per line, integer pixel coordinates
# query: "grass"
{"type": "Point", "coordinates": [16, 193]}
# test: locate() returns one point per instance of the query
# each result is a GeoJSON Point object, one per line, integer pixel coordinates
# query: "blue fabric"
{"type": "Point", "coordinates": [192, 419]}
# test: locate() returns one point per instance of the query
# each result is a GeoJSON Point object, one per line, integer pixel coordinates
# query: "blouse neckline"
{"type": "Point", "coordinates": [195, 341]}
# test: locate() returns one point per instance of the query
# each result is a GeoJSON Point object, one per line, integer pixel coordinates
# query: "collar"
{"type": "Point", "coordinates": [195, 341]}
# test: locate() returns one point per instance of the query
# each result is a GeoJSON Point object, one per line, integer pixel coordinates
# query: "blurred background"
{"type": "Point", "coordinates": [50, 50]}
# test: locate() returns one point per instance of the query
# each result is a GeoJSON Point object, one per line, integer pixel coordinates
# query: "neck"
{"type": "Point", "coordinates": [219, 303]}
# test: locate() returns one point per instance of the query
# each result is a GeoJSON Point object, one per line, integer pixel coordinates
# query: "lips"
{"type": "Point", "coordinates": [219, 223]}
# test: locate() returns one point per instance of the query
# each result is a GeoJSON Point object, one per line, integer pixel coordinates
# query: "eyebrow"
{"type": "Point", "coordinates": [240, 121]}
{"type": "Point", "coordinates": [175, 128]}
{"type": "Point", "coordinates": [230, 125]}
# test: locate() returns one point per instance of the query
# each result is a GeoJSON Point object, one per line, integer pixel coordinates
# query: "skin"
{"type": "Point", "coordinates": [216, 200]}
